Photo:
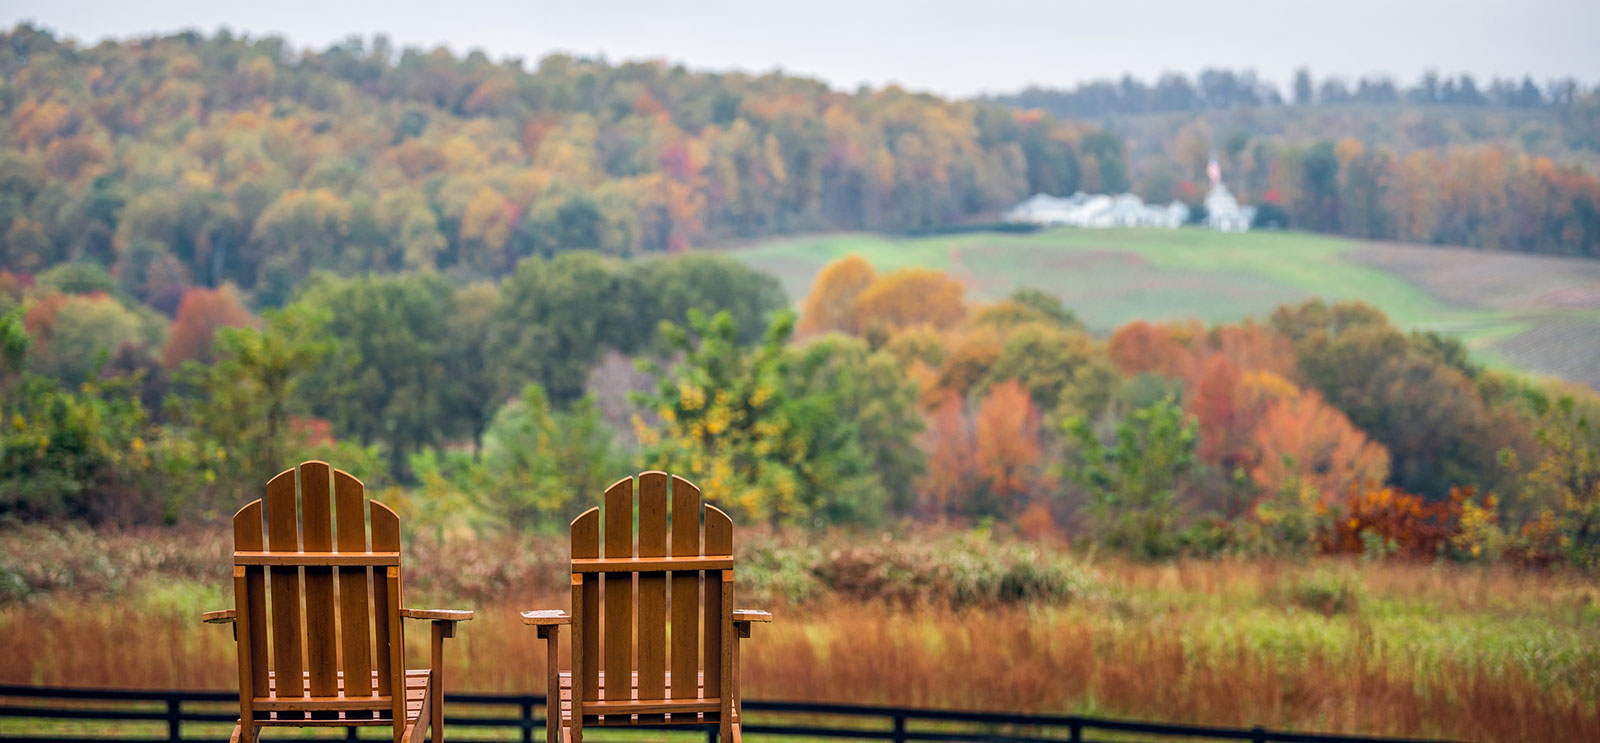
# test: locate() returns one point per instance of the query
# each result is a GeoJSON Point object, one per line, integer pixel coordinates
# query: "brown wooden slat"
{"type": "Point", "coordinates": [586, 607]}
{"type": "Point", "coordinates": [718, 541]}
{"type": "Point", "coordinates": [648, 564]}
{"type": "Point", "coordinates": [340, 721]}
{"type": "Point", "coordinates": [652, 589]}
{"type": "Point", "coordinates": [727, 676]}
{"type": "Point", "coordinates": [325, 703]}
{"type": "Point", "coordinates": [389, 640]}
{"type": "Point", "coordinates": [283, 535]}
{"type": "Point", "coordinates": [249, 601]}
{"type": "Point", "coordinates": [311, 558]}
{"type": "Point", "coordinates": [636, 706]}
{"type": "Point", "coordinates": [619, 586]}
{"type": "Point", "coordinates": [685, 586]}
{"type": "Point", "coordinates": [355, 615]}
{"type": "Point", "coordinates": [316, 534]}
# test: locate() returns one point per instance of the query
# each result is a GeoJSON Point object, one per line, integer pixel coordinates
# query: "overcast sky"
{"type": "Point", "coordinates": [956, 48]}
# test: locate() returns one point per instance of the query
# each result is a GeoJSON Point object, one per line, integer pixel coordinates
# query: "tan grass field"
{"type": "Point", "coordinates": [1486, 654]}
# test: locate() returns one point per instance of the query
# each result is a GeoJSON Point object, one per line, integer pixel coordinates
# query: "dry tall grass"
{"type": "Point", "coordinates": [1388, 649]}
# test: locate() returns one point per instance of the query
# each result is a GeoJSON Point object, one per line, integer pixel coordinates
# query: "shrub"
{"type": "Point", "coordinates": [1322, 592]}
{"type": "Point", "coordinates": [1400, 523]}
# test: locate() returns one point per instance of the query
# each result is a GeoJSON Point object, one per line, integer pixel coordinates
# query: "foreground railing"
{"type": "Point", "coordinates": [61, 715]}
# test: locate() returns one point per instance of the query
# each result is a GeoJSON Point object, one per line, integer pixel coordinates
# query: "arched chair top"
{"type": "Point", "coordinates": [663, 524]}
{"type": "Point", "coordinates": [313, 510]}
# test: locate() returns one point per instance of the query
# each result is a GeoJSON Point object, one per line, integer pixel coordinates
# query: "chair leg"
{"type": "Point", "coordinates": [241, 736]}
{"type": "Point", "coordinates": [436, 721]}
{"type": "Point", "coordinates": [552, 684]}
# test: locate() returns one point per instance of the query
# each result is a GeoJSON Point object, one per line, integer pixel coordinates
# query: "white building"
{"type": "Point", "coordinates": [1102, 211]}
{"type": "Point", "coordinates": [1223, 212]}
{"type": "Point", "coordinates": [1046, 209]}
{"type": "Point", "coordinates": [1098, 211]}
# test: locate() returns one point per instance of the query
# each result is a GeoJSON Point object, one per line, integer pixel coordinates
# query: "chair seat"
{"type": "Point", "coordinates": [674, 718]}
{"type": "Point", "coordinates": [342, 711]}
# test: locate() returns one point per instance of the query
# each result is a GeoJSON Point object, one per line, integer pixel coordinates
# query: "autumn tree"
{"type": "Point", "coordinates": [907, 298]}
{"type": "Point", "coordinates": [1301, 440]}
{"type": "Point", "coordinates": [1008, 459]}
{"type": "Point", "coordinates": [757, 429]}
{"type": "Point", "coordinates": [831, 303]}
{"type": "Point", "coordinates": [200, 314]}
{"type": "Point", "coordinates": [952, 457]}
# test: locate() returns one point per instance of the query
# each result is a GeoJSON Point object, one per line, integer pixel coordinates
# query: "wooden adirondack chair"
{"type": "Point", "coordinates": [699, 684]}
{"type": "Point", "coordinates": [342, 682]}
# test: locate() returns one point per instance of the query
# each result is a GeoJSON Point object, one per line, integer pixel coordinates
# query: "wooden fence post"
{"type": "Point", "coordinates": [174, 719]}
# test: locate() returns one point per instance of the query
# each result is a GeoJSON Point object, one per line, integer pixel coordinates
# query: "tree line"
{"type": "Point", "coordinates": [1215, 89]}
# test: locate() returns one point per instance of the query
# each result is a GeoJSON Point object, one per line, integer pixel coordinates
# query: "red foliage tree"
{"type": "Point", "coordinates": [951, 456]}
{"type": "Point", "coordinates": [1406, 524]}
{"type": "Point", "coordinates": [200, 314]}
{"type": "Point", "coordinates": [1009, 457]}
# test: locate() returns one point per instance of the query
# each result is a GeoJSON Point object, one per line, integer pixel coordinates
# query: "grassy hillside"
{"type": "Point", "coordinates": [1537, 312]}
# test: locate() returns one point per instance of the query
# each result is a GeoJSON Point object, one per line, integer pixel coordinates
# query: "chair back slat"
{"type": "Point", "coordinates": [316, 535]}
{"type": "Point", "coordinates": [685, 589]}
{"type": "Point", "coordinates": [386, 599]}
{"type": "Point", "coordinates": [653, 501]}
{"type": "Point", "coordinates": [718, 543]}
{"type": "Point", "coordinates": [251, 606]}
{"type": "Point", "coordinates": [586, 618]}
{"type": "Point", "coordinates": [355, 616]}
{"type": "Point", "coordinates": [283, 535]}
{"type": "Point", "coordinates": [386, 603]}
{"type": "Point", "coordinates": [617, 634]}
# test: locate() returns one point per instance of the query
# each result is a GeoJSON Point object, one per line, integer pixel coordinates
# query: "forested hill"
{"type": "Point", "coordinates": [194, 159]}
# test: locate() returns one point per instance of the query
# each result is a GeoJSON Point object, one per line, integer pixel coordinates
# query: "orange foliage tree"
{"type": "Point", "coordinates": [908, 298]}
{"type": "Point", "coordinates": [1305, 439]}
{"type": "Point", "coordinates": [987, 464]}
{"type": "Point", "coordinates": [1009, 459]}
{"type": "Point", "coordinates": [831, 303]}
{"type": "Point", "coordinates": [200, 314]}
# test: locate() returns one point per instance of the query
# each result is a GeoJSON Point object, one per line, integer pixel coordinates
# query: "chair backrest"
{"type": "Point", "coordinates": [687, 547]}
{"type": "Point", "coordinates": [290, 547]}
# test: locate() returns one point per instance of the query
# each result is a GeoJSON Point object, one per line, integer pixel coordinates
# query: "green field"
{"type": "Point", "coordinates": [1537, 312]}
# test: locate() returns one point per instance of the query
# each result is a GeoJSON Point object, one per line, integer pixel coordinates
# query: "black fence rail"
{"type": "Point", "coordinates": [68, 715]}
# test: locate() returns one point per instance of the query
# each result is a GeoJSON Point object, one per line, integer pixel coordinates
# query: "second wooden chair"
{"type": "Point", "coordinates": [690, 553]}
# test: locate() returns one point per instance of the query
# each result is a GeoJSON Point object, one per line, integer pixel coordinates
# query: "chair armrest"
{"type": "Point", "coordinates": [225, 616]}
{"type": "Point", "coordinates": [545, 617]}
{"type": "Point", "coordinates": [437, 615]}
{"type": "Point", "coordinates": [751, 615]}
{"type": "Point", "coordinates": [742, 618]}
